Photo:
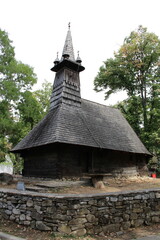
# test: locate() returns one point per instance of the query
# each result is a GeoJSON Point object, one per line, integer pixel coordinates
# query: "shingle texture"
{"type": "Point", "coordinates": [68, 46]}
{"type": "Point", "coordinates": [92, 124]}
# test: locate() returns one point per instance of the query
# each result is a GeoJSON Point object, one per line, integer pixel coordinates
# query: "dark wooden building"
{"type": "Point", "coordinates": [78, 136]}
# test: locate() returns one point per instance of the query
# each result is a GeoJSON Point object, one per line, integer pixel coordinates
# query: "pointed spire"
{"type": "Point", "coordinates": [68, 52]}
{"type": "Point", "coordinates": [68, 59]}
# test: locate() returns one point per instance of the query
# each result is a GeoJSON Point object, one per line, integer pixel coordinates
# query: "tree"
{"type": "Point", "coordinates": [32, 108]}
{"type": "Point", "coordinates": [135, 68]}
{"type": "Point", "coordinates": [16, 79]}
{"type": "Point", "coordinates": [20, 108]}
{"type": "Point", "coordinates": [43, 96]}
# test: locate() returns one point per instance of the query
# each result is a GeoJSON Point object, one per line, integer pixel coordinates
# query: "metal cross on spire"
{"type": "Point", "coordinates": [69, 26]}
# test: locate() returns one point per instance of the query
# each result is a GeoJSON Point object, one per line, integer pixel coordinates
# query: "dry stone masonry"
{"type": "Point", "coordinates": [78, 215]}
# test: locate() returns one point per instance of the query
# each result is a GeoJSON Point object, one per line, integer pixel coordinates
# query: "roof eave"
{"type": "Point", "coordinates": [69, 64]}
{"type": "Point", "coordinates": [147, 153]}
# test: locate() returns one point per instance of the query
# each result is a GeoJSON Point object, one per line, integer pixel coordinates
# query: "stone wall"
{"type": "Point", "coordinates": [81, 214]}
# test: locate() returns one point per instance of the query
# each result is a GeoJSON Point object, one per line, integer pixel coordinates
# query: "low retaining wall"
{"type": "Point", "coordinates": [81, 214]}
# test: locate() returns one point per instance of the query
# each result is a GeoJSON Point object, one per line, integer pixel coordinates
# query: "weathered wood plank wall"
{"type": "Point", "coordinates": [62, 160]}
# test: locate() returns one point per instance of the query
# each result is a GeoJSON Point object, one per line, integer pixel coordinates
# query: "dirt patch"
{"type": "Point", "coordinates": [111, 185]}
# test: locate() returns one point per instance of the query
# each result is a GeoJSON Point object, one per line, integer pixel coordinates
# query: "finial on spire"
{"type": "Point", "coordinates": [69, 26]}
{"type": "Point", "coordinates": [78, 60]}
{"type": "Point", "coordinates": [56, 60]}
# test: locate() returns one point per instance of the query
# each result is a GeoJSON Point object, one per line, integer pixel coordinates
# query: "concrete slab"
{"type": "Point", "coordinates": [153, 237]}
{"type": "Point", "coordinates": [4, 236]}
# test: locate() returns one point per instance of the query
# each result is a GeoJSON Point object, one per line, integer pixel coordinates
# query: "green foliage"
{"type": "Point", "coordinates": [132, 110]}
{"type": "Point", "coordinates": [20, 109]}
{"type": "Point", "coordinates": [135, 68]}
{"type": "Point", "coordinates": [43, 96]}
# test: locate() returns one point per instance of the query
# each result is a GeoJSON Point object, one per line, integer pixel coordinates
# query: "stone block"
{"type": "Point", "coordinates": [6, 178]}
{"type": "Point", "coordinates": [75, 206]}
{"type": "Point", "coordinates": [8, 212]}
{"type": "Point", "coordinates": [64, 229]}
{"type": "Point", "coordinates": [62, 217]}
{"type": "Point", "coordinates": [138, 197]}
{"type": "Point", "coordinates": [80, 232]}
{"type": "Point", "coordinates": [157, 195]}
{"type": "Point", "coordinates": [101, 203]}
{"type": "Point", "coordinates": [157, 207]}
{"type": "Point", "coordinates": [97, 229]}
{"type": "Point", "coordinates": [133, 216]}
{"type": "Point", "coordinates": [72, 212]}
{"type": "Point", "coordinates": [33, 224]}
{"type": "Point", "coordinates": [83, 202]}
{"type": "Point", "coordinates": [77, 221]}
{"type": "Point", "coordinates": [90, 231]}
{"type": "Point", "coordinates": [145, 196]}
{"type": "Point", "coordinates": [126, 217]}
{"type": "Point", "coordinates": [75, 227]}
{"type": "Point", "coordinates": [92, 202]}
{"type": "Point", "coordinates": [90, 218]}
{"type": "Point", "coordinates": [137, 210]}
{"type": "Point", "coordinates": [51, 209]}
{"type": "Point", "coordinates": [12, 217]}
{"type": "Point", "coordinates": [23, 206]}
{"type": "Point", "coordinates": [126, 225]}
{"type": "Point", "coordinates": [22, 217]}
{"type": "Point", "coordinates": [82, 211]}
{"type": "Point", "coordinates": [113, 199]}
{"type": "Point", "coordinates": [88, 225]}
{"type": "Point", "coordinates": [107, 199]}
{"type": "Point", "coordinates": [118, 219]}
{"type": "Point", "coordinates": [103, 209]}
{"type": "Point", "coordinates": [111, 228]}
{"type": "Point", "coordinates": [27, 223]}
{"type": "Point", "coordinates": [37, 216]}
{"type": "Point", "coordinates": [29, 203]}
{"type": "Point", "coordinates": [154, 213]}
{"type": "Point", "coordinates": [119, 204]}
{"type": "Point", "coordinates": [16, 211]}
{"type": "Point", "coordinates": [155, 219]}
{"type": "Point", "coordinates": [41, 226]}
{"type": "Point", "coordinates": [152, 195]}
{"type": "Point", "coordinates": [37, 208]}
{"type": "Point", "coordinates": [28, 218]}
{"type": "Point", "coordinates": [47, 203]}
{"type": "Point", "coordinates": [138, 222]}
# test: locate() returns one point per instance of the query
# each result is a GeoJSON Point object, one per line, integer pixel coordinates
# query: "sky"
{"type": "Point", "coordinates": [38, 30]}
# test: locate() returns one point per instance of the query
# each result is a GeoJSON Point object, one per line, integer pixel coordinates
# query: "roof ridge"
{"type": "Point", "coordinates": [99, 103]}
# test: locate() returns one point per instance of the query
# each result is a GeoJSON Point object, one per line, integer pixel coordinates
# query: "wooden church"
{"type": "Point", "coordinates": [78, 136]}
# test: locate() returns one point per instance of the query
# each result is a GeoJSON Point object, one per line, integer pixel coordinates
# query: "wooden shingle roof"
{"type": "Point", "coordinates": [92, 124]}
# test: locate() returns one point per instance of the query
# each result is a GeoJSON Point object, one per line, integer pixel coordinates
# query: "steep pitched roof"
{"type": "Point", "coordinates": [93, 125]}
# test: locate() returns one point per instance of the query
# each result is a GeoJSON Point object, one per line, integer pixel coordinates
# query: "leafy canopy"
{"type": "Point", "coordinates": [135, 68]}
{"type": "Point", "coordinates": [20, 108]}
